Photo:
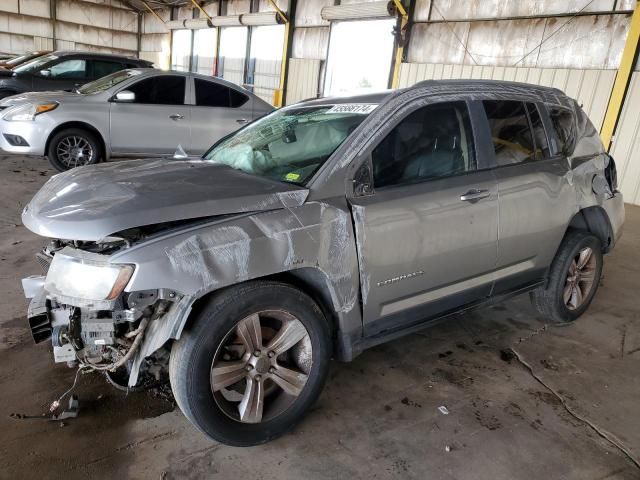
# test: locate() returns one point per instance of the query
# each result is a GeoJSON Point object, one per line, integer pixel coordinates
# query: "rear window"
{"type": "Point", "coordinates": [564, 126]}
{"type": "Point", "coordinates": [213, 94]}
{"type": "Point", "coordinates": [102, 68]}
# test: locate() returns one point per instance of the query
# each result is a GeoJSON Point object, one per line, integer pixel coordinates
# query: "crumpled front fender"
{"type": "Point", "coordinates": [202, 259]}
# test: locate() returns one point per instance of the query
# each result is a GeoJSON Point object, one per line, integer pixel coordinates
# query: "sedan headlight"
{"type": "Point", "coordinates": [86, 277]}
{"type": "Point", "coordinates": [28, 111]}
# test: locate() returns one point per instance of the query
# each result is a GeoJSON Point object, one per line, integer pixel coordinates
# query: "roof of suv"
{"type": "Point", "coordinates": [462, 87]}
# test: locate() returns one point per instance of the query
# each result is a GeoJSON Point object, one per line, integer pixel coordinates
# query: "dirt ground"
{"type": "Point", "coordinates": [568, 409]}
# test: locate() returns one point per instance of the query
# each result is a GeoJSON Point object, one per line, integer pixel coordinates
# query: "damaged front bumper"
{"type": "Point", "coordinates": [104, 335]}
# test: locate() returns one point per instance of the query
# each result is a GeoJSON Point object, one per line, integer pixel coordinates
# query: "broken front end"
{"type": "Point", "coordinates": [81, 306]}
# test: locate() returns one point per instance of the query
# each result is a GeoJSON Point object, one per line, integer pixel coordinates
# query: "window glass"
{"type": "Point", "coordinates": [161, 90]}
{"type": "Point", "coordinates": [107, 82]}
{"type": "Point", "coordinates": [180, 49]}
{"type": "Point", "coordinates": [510, 132]}
{"type": "Point", "coordinates": [212, 94]}
{"type": "Point", "coordinates": [204, 51]}
{"type": "Point", "coordinates": [75, 68]}
{"type": "Point", "coordinates": [359, 57]}
{"type": "Point", "coordinates": [564, 126]}
{"type": "Point", "coordinates": [233, 50]}
{"type": "Point", "coordinates": [101, 68]}
{"type": "Point", "coordinates": [237, 99]}
{"type": "Point", "coordinates": [265, 57]}
{"type": "Point", "coordinates": [539, 134]}
{"type": "Point", "coordinates": [432, 142]}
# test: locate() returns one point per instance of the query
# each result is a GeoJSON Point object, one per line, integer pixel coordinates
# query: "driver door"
{"type": "Point", "coordinates": [156, 121]}
{"type": "Point", "coordinates": [427, 231]}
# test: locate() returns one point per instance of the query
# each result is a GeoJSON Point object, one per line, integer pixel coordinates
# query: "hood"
{"type": "Point", "coordinates": [92, 202]}
{"type": "Point", "coordinates": [33, 97]}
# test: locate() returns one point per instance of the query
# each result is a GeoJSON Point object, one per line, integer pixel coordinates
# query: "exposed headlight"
{"type": "Point", "coordinates": [28, 111]}
{"type": "Point", "coordinates": [86, 277]}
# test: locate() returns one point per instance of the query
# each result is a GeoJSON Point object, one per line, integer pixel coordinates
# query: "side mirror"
{"type": "Point", "coordinates": [45, 73]}
{"type": "Point", "coordinates": [124, 96]}
{"type": "Point", "coordinates": [363, 180]}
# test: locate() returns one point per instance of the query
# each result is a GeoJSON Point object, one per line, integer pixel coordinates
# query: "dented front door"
{"type": "Point", "coordinates": [424, 250]}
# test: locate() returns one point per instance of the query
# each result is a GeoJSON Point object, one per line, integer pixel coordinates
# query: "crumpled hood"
{"type": "Point", "coordinates": [90, 203]}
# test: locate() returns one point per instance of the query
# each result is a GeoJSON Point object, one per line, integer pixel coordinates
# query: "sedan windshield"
{"type": "Point", "coordinates": [36, 63]}
{"type": "Point", "coordinates": [290, 144]}
{"type": "Point", "coordinates": [107, 82]}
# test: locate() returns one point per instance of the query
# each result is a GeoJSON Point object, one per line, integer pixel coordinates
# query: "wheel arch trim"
{"type": "Point", "coordinates": [595, 220]}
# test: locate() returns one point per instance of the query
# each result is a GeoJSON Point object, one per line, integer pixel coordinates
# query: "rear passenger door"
{"type": "Point", "coordinates": [534, 192]}
{"type": "Point", "coordinates": [427, 230]}
{"type": "Point", "coordinates": [156, 122]}
{"type": "Point", "coordinates": [217, 111]}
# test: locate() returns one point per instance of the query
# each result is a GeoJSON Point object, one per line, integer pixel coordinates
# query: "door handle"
{"type": "Point", "coordinates": [475, 194]}
{"type": "Point", "coordinates": [242, 121]}
{"type": "Point", "coordinates": [176, 116]}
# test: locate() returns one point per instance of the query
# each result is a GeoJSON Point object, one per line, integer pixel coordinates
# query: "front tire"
{"type": "Point", "coordinates": [573, 279]}
{"type": "Point", "coordinates": [73, 147]}
{"type": "Point", "coordinates": [252, 363]}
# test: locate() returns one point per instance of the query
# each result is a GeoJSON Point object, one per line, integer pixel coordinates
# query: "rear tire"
{"type": "Point", "coordinates": [73, 147]}
{"type": "Point", "coordinates": [573, 278]}
{"type": "Point", "coordinates": [216, 346]}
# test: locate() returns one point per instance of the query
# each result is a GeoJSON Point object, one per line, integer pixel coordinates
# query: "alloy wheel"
{"type": "Point", "coordinates": [74, 151]}
{"type": "Point", "coordinates": [580, 278]}
{"type": "Point", "coordinates": [261, 366]}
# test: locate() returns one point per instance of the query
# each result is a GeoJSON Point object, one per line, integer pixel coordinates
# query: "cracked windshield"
{"type": "Point", "coordinates": [290, 145]}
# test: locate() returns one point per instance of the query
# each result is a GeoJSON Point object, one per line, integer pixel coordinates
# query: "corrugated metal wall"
{"type": "Point", "coordinates": [590, 87]}
{"type": "Point", "coordinates": [626, 144]}
{"type": "Point", "coordinates": [266, 78]}
{"type": "Point", "coordinates": [156, 39]}
{"type": "Point", "coordinates": [82, 25]}
{"type": "Point", "coordinates": [304, 79]}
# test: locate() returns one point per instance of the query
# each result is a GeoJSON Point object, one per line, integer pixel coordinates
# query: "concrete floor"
{"type": "Point", "coordinates": [378, 416]}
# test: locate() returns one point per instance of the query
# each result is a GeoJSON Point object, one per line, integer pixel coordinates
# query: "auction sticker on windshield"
{"type": "Point", "coordinates": [363, 108]}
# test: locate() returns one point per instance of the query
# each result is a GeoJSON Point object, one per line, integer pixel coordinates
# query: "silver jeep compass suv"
{"type": "Point", "coordinates": [317, 231]}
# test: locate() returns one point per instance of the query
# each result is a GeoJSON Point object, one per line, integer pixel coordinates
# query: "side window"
{"type": "Point", "coordinates": [160, 90]}
{"type": "Point", "coordinates": [432, 142]}
{"type": "Point", "coordinates": [237, 99]}
{"type": "Point", "coordinates": [75, 68]}
{"type": "Point", "coordinates": [101, 68]}
{"type": "Point", "coordinates": [212, 94]}
{"type": "Point", "coordinates": [510, 131]}
{"type": "Point", "coordinates": [539, 134]}
{"type": "Point", "coordinates": [564, 126]}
